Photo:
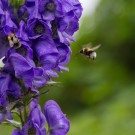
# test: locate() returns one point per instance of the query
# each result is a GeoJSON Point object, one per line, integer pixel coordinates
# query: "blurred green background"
{"type": "Point", "coordinates": [99, 96]}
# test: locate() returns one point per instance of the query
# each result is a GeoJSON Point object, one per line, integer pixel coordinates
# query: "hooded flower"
{"type": "Point", "coordinates": [64, 28]}
{"type": "Point", "coordinates": [21, 33]}
{"type": "Point", "coordinates": [57, 121]}
{"type": "Point", "coordinates": [46, 52]}
{"type": "Point", "coordinates": [64, 56]}
{"type": "Point", "coordinates": [36, 122]}
{"type": "Point", "coordinates": [22, 68]}
{"type": "Point", "coordinates": [51, 9]}
{"type": "Point", "coordinates": [37, 28]}
{"type": "Point", "coordinates": [10, 91]}
{"type": "Point", "coordinates": [7, 16]}
{"type": "Point", "coordinates": [20, 61]}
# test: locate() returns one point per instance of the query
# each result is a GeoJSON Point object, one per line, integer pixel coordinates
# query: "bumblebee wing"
{"type": "Point", "coordinates": [96, 47]}
{"type": "Point", "coordinates": [89, 45]}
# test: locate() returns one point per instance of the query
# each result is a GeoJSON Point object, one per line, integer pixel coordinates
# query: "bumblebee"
{"type": "Point", "coordinates": [90, 51]}
{"type": "Point", "coordinates": [13, 41]}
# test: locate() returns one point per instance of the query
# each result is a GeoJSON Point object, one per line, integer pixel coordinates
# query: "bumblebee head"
{"type": "Point", "coordinates": [93, 55]}
{"type": "Point", "coordinates": [81, 51]}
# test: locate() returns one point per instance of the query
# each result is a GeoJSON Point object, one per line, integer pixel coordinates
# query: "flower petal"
{"type": "Point", "coordinates": [57, 121]}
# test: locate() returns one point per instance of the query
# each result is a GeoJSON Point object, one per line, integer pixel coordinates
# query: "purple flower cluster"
{"type": "Point", "coordinates": [57, 122]}
{"type": "Point", "coordinates": [35, 44]}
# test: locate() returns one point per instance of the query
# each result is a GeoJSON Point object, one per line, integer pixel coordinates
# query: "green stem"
{"type": "Point", "coordinates": [12, 123]}
{"type": "Point", "coordinates": [25, 113]}
{"type": "Point", "coordinates": [22, 122]}
{"type": "Point", "coordinates": [48, 130]}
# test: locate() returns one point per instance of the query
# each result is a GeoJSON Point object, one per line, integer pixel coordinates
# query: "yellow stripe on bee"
{"type": "Point", "coordinates": [86, 49]}
{"type": "Point", "coordinates": [9, 38]}
{"type": "Point", "coordinates": [12, 35]}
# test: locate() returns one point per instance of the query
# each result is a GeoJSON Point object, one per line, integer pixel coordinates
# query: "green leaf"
{"type": "Point", "coordinates": [12, 123]}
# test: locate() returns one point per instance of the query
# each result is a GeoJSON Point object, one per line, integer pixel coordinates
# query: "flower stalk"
{"type": "Point", "coordinates": [35, 40]}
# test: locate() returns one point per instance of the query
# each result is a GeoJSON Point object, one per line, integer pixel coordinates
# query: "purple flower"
{"type": "Point", "coordinates": [50, 8]}
{"type": "Point", "coordinates": [1, 12]}
{"type": "Point", "coordinates": [36, 122]}
{"type": "Point", "coordinates": [4, 44]}
{"type": "Point", "coordinates": [20, 61]}
{"type": "Point", "coordinates": [21, 33]}
{"type": "Point", "coordinates": [46, 52]}
{"type": "Point", "coordinates": [22, 68]}
{"type": "Point", "coordinates": [30, 5]}
{"type": "Point", "coordinates": [7, 24]}
{"type": "Point", "coordinates": [37, 28]}
{"type": "Point", "coordinates": [10, 91]}
{"type": "Point", "coordinates": [5, 4]}
{"type": "Point", "coordinates": [57, 121]}
{"type": "Point", "coordinates": [77, 8]}
{"type": "Point", "coordinates": [64, 28]}
{"type": "Point", "coordinates": [64, 56]}
{"type": "Point", "coordinates": [39, 78]}
{"type": "Point", "coordinates": [25, 11]}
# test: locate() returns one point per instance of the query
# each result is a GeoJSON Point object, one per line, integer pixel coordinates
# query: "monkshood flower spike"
{"type": "Point", "coordinates": [35, 40]}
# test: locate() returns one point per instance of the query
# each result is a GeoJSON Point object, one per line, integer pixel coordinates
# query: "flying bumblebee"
{"type": "Point", "coordinates": [13, 41]}
{"type": "Point", "coordinates": [90, 51]}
